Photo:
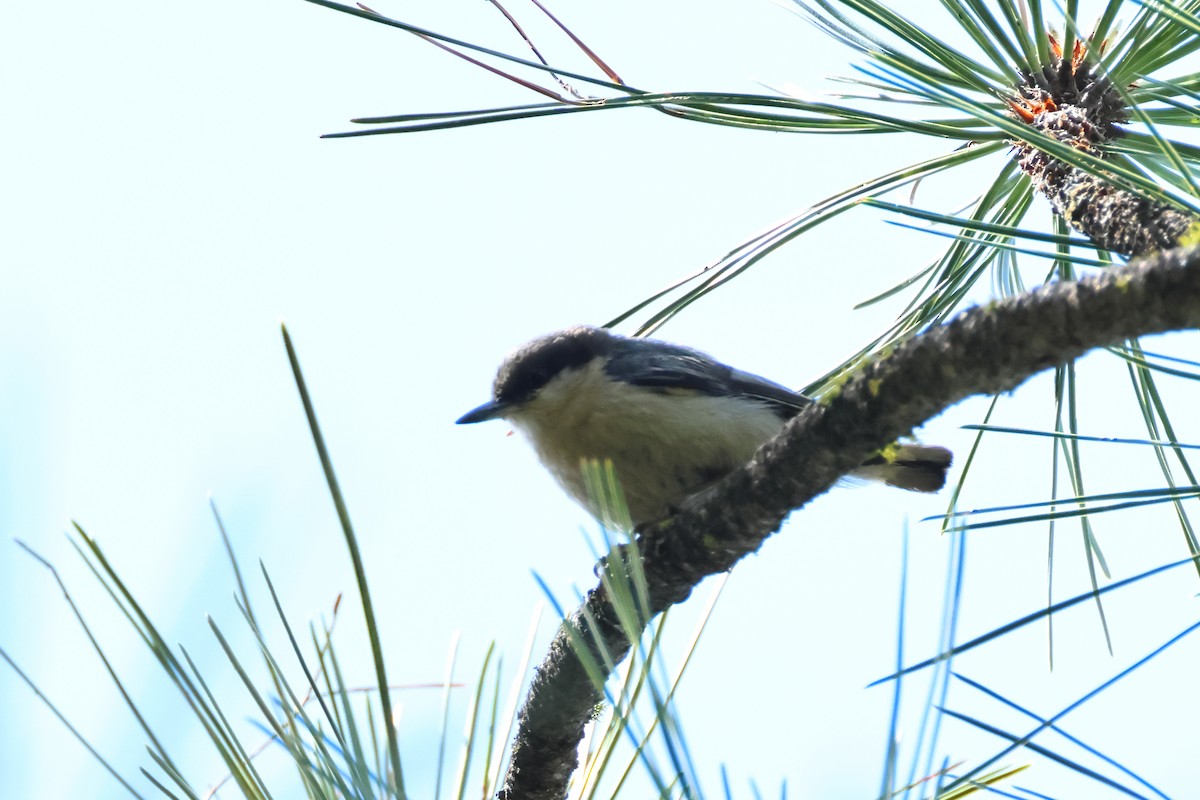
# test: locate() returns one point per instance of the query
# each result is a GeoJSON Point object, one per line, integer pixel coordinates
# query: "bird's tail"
{"type": "Point", "coordinates": [916, 467]}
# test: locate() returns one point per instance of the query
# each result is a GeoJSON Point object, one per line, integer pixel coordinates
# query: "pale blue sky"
{"type": "Point", "coordinates": [167, 202]}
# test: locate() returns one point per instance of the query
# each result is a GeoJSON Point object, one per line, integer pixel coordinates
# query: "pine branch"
{"type": "Point", "coordinates": [984, 350]}
{"type": "Point", "coordinates": [1069, 102]}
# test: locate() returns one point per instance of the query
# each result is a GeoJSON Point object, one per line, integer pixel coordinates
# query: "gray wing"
{"type": "Point", "coordinates": [668, 366]}
{"type": "Point", "coordinates": [783, 401]}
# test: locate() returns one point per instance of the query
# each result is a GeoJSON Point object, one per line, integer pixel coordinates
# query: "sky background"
{"type": "Point", "coordinates": [168, 202]}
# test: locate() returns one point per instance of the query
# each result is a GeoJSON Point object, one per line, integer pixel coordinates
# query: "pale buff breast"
{"type": "Point", "coordinates": [664, 445]}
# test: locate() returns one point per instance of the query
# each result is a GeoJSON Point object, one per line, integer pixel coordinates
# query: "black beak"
{"type": "Point", "coordinates": [492, 409]}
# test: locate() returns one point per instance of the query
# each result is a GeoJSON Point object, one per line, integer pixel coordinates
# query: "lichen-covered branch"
{"type": "Point", "coordinates": [982, 351]}
{"type": "Point", "coordinates": [1070, 102]}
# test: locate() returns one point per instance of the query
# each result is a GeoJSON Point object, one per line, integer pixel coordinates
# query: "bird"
{"type": "Point", "coordinates": [672, 420]}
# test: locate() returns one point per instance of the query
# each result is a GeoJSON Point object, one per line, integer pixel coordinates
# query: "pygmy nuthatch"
{"type": "Point", "coordinates": [671, 419]}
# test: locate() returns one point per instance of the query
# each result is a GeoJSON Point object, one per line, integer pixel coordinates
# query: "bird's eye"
{"type": "Point", "coordinates": [536, 379]}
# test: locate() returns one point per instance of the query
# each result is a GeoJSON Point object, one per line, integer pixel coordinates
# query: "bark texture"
{"type": "Point", "coordinates": [1070, 102]}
